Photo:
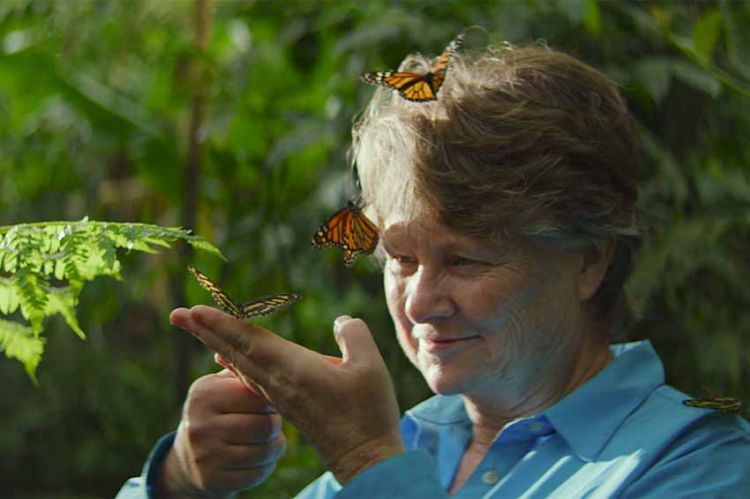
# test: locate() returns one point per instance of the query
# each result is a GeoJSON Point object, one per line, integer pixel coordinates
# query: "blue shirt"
{"type": "Point", "coordinates": [622, 433]}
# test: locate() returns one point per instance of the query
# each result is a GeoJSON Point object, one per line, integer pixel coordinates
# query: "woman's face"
{"type": "Point", "coordinates": [471, 314]}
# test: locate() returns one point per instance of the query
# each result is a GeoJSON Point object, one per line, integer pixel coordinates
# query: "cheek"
{"type": "Point", "coordinates": [394, 296]}
{"type": "Point", "coordinates": [485, 304]}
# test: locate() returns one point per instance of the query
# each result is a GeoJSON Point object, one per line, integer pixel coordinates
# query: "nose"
{"type": "Point", "coordinates": [428, 298]}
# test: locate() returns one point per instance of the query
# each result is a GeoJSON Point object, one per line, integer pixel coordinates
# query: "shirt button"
{"type": "Point", "coordinates": [536, 426]}
{"type": "Point", "coordinates": [490, 477]}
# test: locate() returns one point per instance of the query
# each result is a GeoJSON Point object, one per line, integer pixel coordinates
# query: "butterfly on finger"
{"type": "Point", "coordinates": [417, 86]}
{"type": "Point", "coordinates": [350, 230]}
{"type": "Point", "coordinates": [260, 306]}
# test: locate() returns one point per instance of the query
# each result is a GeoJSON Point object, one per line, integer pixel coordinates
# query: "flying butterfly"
{"type": "Point", "coordinates": [261, 306]}
{"type": "Point", "coordinates": [350, 230]}
{"type": "Point", "coordinates": [413, 86]}
{"type": "Point", "coordinates": [726, 405]}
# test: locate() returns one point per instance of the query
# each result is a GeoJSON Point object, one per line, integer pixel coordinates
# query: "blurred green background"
{"type": "Point", "coordinates": [233, 119]}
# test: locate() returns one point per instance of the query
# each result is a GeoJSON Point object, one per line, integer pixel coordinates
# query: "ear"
{"type": "Point", "coordinates": [594, 264]}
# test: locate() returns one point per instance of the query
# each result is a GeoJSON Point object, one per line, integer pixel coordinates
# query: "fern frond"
{"type": "Point", "coordinates": [44, 266]}
{"type": "Point", "coordinates": [21, 343]}
{"type": "Point", "coordinates": [9, 301]}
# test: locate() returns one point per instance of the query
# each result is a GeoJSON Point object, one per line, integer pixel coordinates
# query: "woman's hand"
{"type": "Point", "coordinates": [345, 406]}
{"type": "Point", "coordinates": [229, 439]}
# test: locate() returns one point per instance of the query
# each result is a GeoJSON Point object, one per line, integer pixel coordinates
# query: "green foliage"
{"type": "Point", "coordinates": [43, 268]}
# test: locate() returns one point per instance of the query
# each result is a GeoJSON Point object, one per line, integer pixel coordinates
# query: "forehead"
{"type": "Point", "coordinates": [421, 228]}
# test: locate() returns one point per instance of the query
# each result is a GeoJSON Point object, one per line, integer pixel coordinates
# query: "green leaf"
{"type": "Point", "coordinates": [9, 301]}
{"type": "Point", "coordinates": [203, 245]}
{"type": "Point", "coordinates": [655, 75]}
{"type": "Point", "coordinates": [21, 343]}
{"type": "Point", "coordinates": [592, 17]}
{"type": "Point", "coordinates": [706, 33]}
{"type": "Point", "coordinates": [33, 292]}
{"type": "Point", "coordinates": [63, 301]}
{"type": "Point", "coordinates": [697, 78]}
{"type": "Point", "coordinates": [584, 12]}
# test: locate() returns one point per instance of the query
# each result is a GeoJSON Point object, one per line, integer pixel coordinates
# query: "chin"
{"type": "Point", "coordinates": [443, 383]}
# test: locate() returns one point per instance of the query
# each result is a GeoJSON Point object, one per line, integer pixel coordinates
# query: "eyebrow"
{"type": "Point", "coordinates": [457, 242]}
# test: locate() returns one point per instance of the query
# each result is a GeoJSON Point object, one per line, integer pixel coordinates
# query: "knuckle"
{"type": "Point", "coordinates": [268, 426]}
{"type": "Point", "coordinates": [268, 453]}
{"type": "Point", "coordinates": [205, 461]}
{"type": "Point", "coordinates": [197, 434]}
{"type": "Point", "coordinates": [259, 428]}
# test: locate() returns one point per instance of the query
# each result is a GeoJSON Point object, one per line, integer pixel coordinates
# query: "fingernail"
{"type": "Point", "coordinates": [340, 321]}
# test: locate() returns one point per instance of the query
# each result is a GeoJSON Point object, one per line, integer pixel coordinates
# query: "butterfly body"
{"type": "Point", "coordinates": [414, 86]}
{"type": "Point", "coordinates": [244, 310]}
{"type": "Point", "coordinates": [350, 230]}
{"type": "Point", "coordinates": [726, 405]}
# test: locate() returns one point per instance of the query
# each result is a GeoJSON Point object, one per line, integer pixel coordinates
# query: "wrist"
{"type": "Point", "coordinates": [172, 481]}
{"type": "Point", "coordinates": [168, 478]}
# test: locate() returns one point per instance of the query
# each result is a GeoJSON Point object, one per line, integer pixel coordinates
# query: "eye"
{"type": "Point", "coordinates": [397, 256]}
{"type": "Point", "coordinates": [463, 261]}
{"type": "Point", "coordinates": [404, 259]}
{"type": "Point", "coordinates": [400, 263]}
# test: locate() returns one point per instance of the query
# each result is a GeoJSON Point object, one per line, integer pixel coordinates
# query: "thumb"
{"type": "Point", "coordinates": [354, 340]}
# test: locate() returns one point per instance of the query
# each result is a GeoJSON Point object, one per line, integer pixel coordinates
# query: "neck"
{"type": "Point", "coordinates": [490, 413]}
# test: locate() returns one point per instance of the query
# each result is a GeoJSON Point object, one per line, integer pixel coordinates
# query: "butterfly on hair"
{"type": "Point", "coordinates": [261, 306]}
{"type": "Point", "coordinates": [350, 230]}
{"type": "Point", "coordinates": [417, 86]}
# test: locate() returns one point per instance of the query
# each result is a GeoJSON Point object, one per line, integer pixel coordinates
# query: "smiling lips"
{"type": "Point", "coordinates": [436, 345]}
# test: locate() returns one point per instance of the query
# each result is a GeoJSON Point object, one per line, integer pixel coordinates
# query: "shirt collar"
{"type": "Point", "coordinates": [604, 401]}
{"type": "Point", "coordinates": [440, 410]}
{"type": "Point", "coordinates": [607, 399]}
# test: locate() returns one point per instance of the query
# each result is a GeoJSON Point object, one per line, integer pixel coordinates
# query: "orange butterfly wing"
{"type": "Point", "coordinates": [331, 233]}
{"type": "Point", "coordinates": [441, 66]}
{"type": "Point", "coordinates": [350, 230]}
{"type": "Point", "coordinates": [417, 87]}
{"type": "Point", "coordinates": [362, 237]}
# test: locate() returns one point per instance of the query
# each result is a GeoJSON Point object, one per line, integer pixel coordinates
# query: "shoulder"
{"type": "Point", "coordinates": [663, 421]}
{"type": "Point", "coordinates": [666, 405]}
{"type": "Point", "coordinates": [698, 428]}
{"type": "Point", "coordinates": [689, 451]}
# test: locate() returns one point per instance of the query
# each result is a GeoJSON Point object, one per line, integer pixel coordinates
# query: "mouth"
{"type": "Point", "coordinates": [441, 345]}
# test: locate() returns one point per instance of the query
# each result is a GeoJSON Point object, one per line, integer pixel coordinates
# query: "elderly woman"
{"type": "Point", "coordinates": [508, 222]}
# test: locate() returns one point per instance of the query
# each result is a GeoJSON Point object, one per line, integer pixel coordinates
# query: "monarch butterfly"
{"type": "Point", "coordinates": [417, 87]}
{"type": "Point", "coordinates": [261, 306]}
{"type": "Point", "coordinates": [726, 405]}
{"type": "Point", "coordinates": [350, 230]}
